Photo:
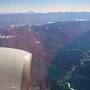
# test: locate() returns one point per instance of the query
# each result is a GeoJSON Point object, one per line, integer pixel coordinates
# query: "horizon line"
{"type": "Point", "coordinates": [32, 12]}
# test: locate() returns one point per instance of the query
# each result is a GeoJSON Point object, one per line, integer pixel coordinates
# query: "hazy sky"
{"type": "Point", "coordinates": [44, 5]}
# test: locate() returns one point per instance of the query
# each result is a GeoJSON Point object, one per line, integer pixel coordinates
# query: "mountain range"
{"type": "Point", "coordinates": [34, 18]}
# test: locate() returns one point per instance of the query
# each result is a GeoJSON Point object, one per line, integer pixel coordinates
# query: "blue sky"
{"type": "Point", "coordinates": [44, 5]}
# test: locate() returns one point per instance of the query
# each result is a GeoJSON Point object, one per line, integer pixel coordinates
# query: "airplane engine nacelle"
{"type": "Point", "coordinates": [15, 69]}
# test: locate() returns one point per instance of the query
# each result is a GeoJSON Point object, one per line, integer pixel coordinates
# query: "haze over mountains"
{"type": "Point", "coordinates": [34, 18]}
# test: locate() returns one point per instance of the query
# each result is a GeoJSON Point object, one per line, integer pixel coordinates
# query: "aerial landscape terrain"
{"type": "Point", "coordinates": [56, 36]}
{"type": "Point", "coordinates": [59, 43]}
